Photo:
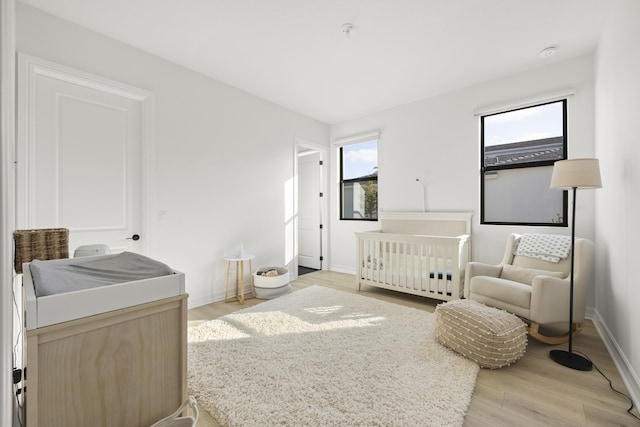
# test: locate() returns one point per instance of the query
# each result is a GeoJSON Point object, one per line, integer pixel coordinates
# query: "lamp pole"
{"type": "Point", "coordinates": [568, 358]}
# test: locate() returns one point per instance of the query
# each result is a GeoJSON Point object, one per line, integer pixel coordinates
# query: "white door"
{"type": "Point", "coordinates": [309, 232]}
{"type": "Point", "coordinates": [82, 160]}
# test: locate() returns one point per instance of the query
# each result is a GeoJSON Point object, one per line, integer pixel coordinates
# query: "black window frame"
{"type": "Point", "coordinates": [543, 163]}
{"type": "Point", "coordinates": [364, 179]}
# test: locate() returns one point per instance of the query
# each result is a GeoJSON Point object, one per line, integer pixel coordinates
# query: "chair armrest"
{"type": "Point", "coordinates": [550, 301]}
{"type": "Point", "coordinates": [479, 269]}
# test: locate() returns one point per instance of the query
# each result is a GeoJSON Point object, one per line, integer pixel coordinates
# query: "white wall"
{"type": "Point", "coordinates": [618, 202]}
{"type": "Point", "coordinates": [437, 140]}
{"type": "Point", "coordinates": [223, 161]}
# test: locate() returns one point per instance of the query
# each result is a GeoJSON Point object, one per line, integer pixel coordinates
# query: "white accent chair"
{"type": "Point", "coordinates": [534, 289]}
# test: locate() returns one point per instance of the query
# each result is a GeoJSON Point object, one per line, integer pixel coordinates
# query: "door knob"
{"type": "Point", "coordinates": [135, 237]}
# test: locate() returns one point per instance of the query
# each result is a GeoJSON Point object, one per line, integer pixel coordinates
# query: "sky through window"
{"type": "Point", "coordinates": [360, 159]}
{"type": "Point", "coordinates": [527, 124]}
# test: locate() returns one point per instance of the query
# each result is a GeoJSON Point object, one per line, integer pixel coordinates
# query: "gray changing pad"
{"type": "Point", "coordinates": [50, 278]}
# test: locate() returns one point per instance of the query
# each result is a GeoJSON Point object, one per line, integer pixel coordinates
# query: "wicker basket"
{"type": "Point", "coordinates": [175, 420]}
{"type": "Point", "coordinates": [43, 244]}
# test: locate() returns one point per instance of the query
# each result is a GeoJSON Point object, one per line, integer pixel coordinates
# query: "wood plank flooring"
{"type": "Point", "coordinates": [535, 391]}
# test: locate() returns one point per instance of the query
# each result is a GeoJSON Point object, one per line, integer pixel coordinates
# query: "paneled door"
{"type": "Point", "coordinates": [309, 218]}
{"type": "Point", "coordinates": [81, 162]}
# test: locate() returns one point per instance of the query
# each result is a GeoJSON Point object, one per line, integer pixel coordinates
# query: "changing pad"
{"type": "Point", "coordinates": [52, 278]}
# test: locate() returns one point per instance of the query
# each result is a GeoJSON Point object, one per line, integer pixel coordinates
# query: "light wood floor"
{"type": "Point", "coordinates": [535, 391]}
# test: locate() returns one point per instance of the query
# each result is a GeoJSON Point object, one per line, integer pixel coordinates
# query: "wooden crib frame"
{"type": "Point", "coordinates": [417, 253]}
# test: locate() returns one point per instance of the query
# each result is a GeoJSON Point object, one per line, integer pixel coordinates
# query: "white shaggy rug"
{"type": "Point", "coordinates": [321, 357]}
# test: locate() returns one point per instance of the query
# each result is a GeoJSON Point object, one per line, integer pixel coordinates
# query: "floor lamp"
{"type": "Point", "coordinates": [573, 174]}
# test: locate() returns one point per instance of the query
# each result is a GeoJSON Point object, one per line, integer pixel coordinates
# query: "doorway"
{"type": "Point", "coordinates": [310, 207]}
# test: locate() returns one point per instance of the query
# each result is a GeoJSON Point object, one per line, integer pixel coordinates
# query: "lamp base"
{"type": "Point", "coordinates": [570, 360]}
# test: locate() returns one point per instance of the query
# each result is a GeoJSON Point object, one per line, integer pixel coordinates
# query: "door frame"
{"type": "Point", "coordinates": [29, 69]}
{"type": "Point", "coordinates": [7, 208]}
{"type": "Point", "coordinates": [301, 145]}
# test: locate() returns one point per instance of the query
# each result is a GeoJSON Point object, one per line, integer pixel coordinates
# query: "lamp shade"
{"type": "Point", "coordinates": [576, 173]}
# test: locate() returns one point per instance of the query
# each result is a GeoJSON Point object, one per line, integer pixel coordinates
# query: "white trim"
{"type": "Point", "coordinates": [29, 69]}
{"type": "Point", "coordinates": [354, 139]}
{"type": "Point", "coordinates": [347, 269]}
{"type": "Point", "coordinates": [523, 103]}
{"type": "Point", "coordinates": [464, 217]}
{"type": "Point", "coordinates": [629, 377]}
{"type": "Point", "coordinates": [43, 67]}
{"type": "Point", "coordinates": [7, 205]}
{"type": "Point", "coordinates": [147, 171]}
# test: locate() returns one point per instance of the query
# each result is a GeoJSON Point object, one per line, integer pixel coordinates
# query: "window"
{"type": "Point", "coordinates": [359, 181]}
{"type": "Point", "coordinates": [518, 150]}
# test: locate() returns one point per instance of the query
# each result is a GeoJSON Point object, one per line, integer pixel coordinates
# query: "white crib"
{"type": "Point", "coordinates": [416, 253]}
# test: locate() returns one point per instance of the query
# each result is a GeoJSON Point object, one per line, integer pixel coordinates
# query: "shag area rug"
{"type": "Point", "coordinates": [322, 357]}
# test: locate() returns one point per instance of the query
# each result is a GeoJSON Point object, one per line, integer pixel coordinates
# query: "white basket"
{"type": "Point", "coordinates": [174, 420]}
{"type": "Point", "coordinates": [261, 281]}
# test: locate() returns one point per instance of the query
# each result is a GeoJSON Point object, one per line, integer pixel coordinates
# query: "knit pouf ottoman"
{"type": "Point", "coordinates": [491, 337]}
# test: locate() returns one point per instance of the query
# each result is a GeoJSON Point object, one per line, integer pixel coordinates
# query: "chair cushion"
{"type": "Point", "coordinates": [491, 337]}
{"type": "Point", "coordinates": [526, 275]}
{"type": "Point", "coordinates": [509, 291]}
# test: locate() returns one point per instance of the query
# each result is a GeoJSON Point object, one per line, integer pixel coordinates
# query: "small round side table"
{"type": "Point", "coordinates": [239, 296]}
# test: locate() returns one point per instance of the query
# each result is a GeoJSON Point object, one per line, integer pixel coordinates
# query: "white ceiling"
{"type": "Point", "coordinates": [294, 53]}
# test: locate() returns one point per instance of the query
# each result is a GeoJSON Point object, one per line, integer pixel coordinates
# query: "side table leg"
{"type": "Point", "coordinates": [241, 294]}
{"type": "Point", "coordinates": [253, 289]}
{"type": "Point", "coordinates": [238, 264]}
{"type": "Point", "coordinates": [226, 289]}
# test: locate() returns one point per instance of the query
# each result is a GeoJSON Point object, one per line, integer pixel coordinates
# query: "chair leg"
{"type": "Point", "coordinates": [534, 332]}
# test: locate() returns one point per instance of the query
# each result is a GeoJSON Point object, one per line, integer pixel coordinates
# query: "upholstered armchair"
{"type": "Point", "coordinates": [534, 289]}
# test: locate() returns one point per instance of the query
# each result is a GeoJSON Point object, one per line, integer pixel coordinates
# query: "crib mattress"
{"type": "Point", "coordinates": [110, 288]}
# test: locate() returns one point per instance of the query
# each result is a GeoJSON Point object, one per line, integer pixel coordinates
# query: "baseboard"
{"type": "Point", "coordinates": [589, 313]}
{"type": "Point", "coordinates": [206, 299]}
{"type": "Point", "coordinates": [200, 301]}
{"type": "Point", "coordinates": [217, 297]}
{"type": "Point", "coordinates": [342, 269]}
{"type": "Point", "coordinates": [629, 377]}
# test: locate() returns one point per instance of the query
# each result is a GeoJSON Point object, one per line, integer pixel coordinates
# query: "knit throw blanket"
{"type": "Point", "coordinates": [547, 247]}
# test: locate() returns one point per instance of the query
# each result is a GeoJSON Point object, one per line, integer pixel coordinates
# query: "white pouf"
{"type": "Point", "coordinates": [268, 287]}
